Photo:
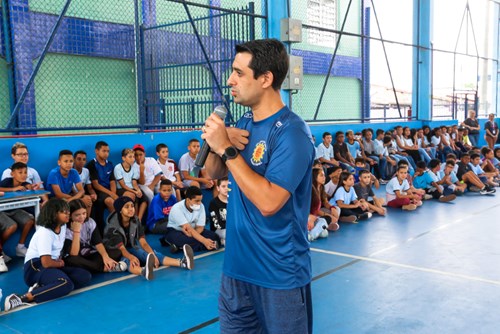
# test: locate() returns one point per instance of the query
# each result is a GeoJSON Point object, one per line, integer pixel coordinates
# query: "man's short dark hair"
{"type": "Point", "coordinates": [363, 171]}
{"type": "Point", "coordinates": [65, 152]}
{"type": "Point", "coordinates": [100, 144]}
{"type": "Point", "coordinates": [222, 179]}
{"type": "Point", "coordinates": [160, 146]}
{"type": "Point", "coordinates": [268, 55]}
{"type": "Point", "coordinates": [193, 140]}
{"type": "Point", "coordinates": [18, 165]}
{"type": "Point", "coordinates": [79, 152]}
{"type": "Point", "coordinates": [326, 134]}
{"type": "Point", "coordinates": [379, 131]}
{"type": "Point", "coordinates": [165, 182]}
{"type": "Point", "coordinates": [192, 192]}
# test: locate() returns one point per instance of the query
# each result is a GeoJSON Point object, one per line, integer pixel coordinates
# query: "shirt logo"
{"type": "Point", "coordinates": [258, 153]}
{"type": "Point", "coordinates": [247, 115]}
{"type": "Point", "coordinates": [278, 124]}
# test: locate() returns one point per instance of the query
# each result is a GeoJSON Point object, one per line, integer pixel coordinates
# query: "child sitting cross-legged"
{"type": "Point", "coordinates": [351, 209]}
{"type": "Point", "coordinates": [428, 180]}
{"type": "Point", "coordinates": [124, 231]}
{"type": "Point", "coordinates": [398, 191]}
{"type": "Point", "coordinates": [364, 191]}
{"type": "Point", "coordinates": [450, 179]}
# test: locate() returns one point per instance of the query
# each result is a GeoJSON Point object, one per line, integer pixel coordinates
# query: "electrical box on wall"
{"type": "Point", "coordinates": [291, 30]}
{"type": "Point", "coordinates": [295, 74]}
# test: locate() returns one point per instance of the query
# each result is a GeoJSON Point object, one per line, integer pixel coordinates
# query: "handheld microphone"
{"type": "Point", "coordinates": [201, 158]}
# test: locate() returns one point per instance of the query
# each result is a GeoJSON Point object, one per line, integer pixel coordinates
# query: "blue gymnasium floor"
{"type": "Point", "coordinates": [434, 270]}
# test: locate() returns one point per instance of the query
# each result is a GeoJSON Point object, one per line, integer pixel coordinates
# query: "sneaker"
{"type": "Point", "coordinates": [120, 266]}
{"type": "Point", "coordinates": [187, 260]}
{"type": "Point", "coordinates": [447, 198]}
{"type": "Point", "coordinates": [365, 215]}
{"type": "Point", "coordinates": [21, 251]}
{"type": "Point", "coordinates": [409, 207]}
{"type": "Point", "coordinates": [348, 219]}
{"type": "Point", "coordinates": [324, 233]}
{"type": "Point", "coordinates": [217, 245]}
{"type": "Point", "coordinates": [459, 192]}
{"type": "Point", "coordinates": [382, 181]}
{"type": "Point", "coordinates": [148, 270]}
{"type": "Point", "coordinates": [331, 227]}
{"type": "Point", "coordinates": [6, 258]}
{"type": "Point", "coordinates": [486, 190]}
{"type": "Point", "coordinates": [13, 301]}
{"type": "Point", "coordinates": [3, 266]}
{"type": "Point", "coordinates": [427, 197]}
{"type": "Point", "coordinates": [309, 238]}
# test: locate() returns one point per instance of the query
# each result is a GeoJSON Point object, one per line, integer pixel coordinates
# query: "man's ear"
{"type": "Point", "coordinates": [267, 79]}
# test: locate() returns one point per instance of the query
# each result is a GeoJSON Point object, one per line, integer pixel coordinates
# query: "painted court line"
{"type": "Point", "coordinates": [401, 265]}
{"type": "Point", "coordinates": [99, 285]}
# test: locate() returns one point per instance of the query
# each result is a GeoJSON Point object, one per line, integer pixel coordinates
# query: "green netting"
{"type": "Point", "coordinates": [4, 94]}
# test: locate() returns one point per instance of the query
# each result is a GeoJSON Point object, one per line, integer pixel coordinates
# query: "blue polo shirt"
{"type": "Point", "coordinates": [103, 174]}
{"type": "Point", "coordinates": [272, 252]}
{"type": "Point", "coordinates": [159, 209]}
{"type": "Point", "coordinates": [65, 183]}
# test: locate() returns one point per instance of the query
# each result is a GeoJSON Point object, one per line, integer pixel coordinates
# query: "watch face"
{"type": "Point", "coordinates": [231, 152]}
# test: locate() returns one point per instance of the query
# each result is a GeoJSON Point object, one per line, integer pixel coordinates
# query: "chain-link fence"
{"type": "Point", "coordinates": [187, 55]}
{"type": "Point", "coordinates": [4, 87]}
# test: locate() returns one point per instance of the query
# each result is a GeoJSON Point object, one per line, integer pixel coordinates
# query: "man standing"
{"type": "Point", "coordinates": [267, 267]}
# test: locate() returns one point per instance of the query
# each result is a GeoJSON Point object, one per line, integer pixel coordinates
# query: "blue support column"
{"type": "Point", "coordinates": [365, 77]}
{"type": "Point", "coordinates": [277, 10]}
{"type": "Point", "coordinates": [496, 54]}
{"type": "Point", "coordinates": [422, 67]}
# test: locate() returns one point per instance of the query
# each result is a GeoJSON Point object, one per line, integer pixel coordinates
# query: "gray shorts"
{"type": "Point", "coordinates": [9, 218]}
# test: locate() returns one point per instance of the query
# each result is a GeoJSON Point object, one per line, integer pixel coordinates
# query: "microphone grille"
{"type": "Point", "coordinates": [221, 111]}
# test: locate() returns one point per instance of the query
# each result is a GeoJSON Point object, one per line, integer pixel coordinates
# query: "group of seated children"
{"type": "Point", "coordinates": [152, 185]}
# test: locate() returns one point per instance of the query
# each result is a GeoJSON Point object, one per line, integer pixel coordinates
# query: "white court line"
{"type": "Point", "coordinates": [395, 264]}
{"type": "Point", "coordinates": [109, 282]}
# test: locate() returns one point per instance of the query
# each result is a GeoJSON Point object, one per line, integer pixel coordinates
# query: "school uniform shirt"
{"type": "Point", "coordinates": [89, 237]}
{"type": "Point", "coordinates": [354, 148]}
{"type": "Point", "coordinates": [379, 148]}
{"type": "Point", "coordinates": [476, 169]}
{"type": "Point", "coordinates": [151, 170]}
{"type": "Point", "coordinates": [186, 163]}
{"type": "Point", "coordinates": [272, 251]}
{"type": "Point", "coordinates": [423, 181]}
{"type": "Point", "coordinates": [453, 176]}
{"type": "Point", "coordinates": [169, 169]}
{"type": "Point", "coordinates": [218, 212]}
{"type": "Point", "coordinates": [435, 141]}
{"type": "Point", "coordinates": [159, 210]}
{"type": "Point", "coordinates": [180, 215]}
{"type": "Point", "coordinates": [46, 242]}
{"type": "Point", "coordinates": [84, 177]}
{"type": "Point", "coordinates": [325, 152]}
{"type": "Point", "coordinates": [66, 184]}
{"type": "Point", "coordinates": [393, 186]}
{"type": "Point", "coordinates": [127, 176]}
{"type": "Point", "coordinates": [443, 166]}
{"type": "Point", "coordinates": [369, 147]}
{"type": "Point", "coordinates": [103, 174]}
{"type": "Point", "coordinates": [346, 196]}
{"type": "Point", "coordinates": [33, 176]}
{"type": "Point", "coordinates": [363, 192]}
{"type": "Point", "coordinates": [330, 188]}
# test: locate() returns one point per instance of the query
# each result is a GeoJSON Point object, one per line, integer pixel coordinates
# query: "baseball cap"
{"type": "Point", "coordinates": [139, 147]}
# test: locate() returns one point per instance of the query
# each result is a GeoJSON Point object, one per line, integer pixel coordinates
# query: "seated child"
{"type": "Point", "coordinates": [124, 232]}
{"type": "Point", "coordinates": [361, 165]}
{"type": "Point", "coordinates": [83, 247]}
{"type": "Point", "coordinates": [398, 191]}
{"type": "Point", "coordinates": [190, 174]}
{"type": "Point", "coordinates": [103, 183]}
{"type": "Point", "coordinates": [169, 168]}
{"type": "Point", "coordinates": [364, 191]}
{"type": "Point", "coordinates": [486, 178]}
{"type": "Point", "coordinates": [44, 271]}
{"type": "Point", "coordinates": [127, 176]}
{"type": "Point", "coordinates": [428, 180]}
{"type": "Point", "coordinates": [19, 153]}
{"type": "Point", "coordinates": [334, 175]}
{"type": "Point", "coordinates": [80, 160]}
{"type": "Point", "coordinates": [317, 227]}
{"type": "Point", "coordinates": [186, 224]}
{"type": "Point", "coordinates": [319, 202]}
{"type": "Point", "coordinates": [466, 175]}
{"type": "Point", "coordinates": [217, 210]}
{"type": "Point", "coordinates": [351, 210]}
{"type": "Point", "coordinates": [489, 163]}
{"type": "Point", "coordinates": [160, 208]}
{"type": "Point", "coordinates": [149, 172]}
{"type": "Point", "coordinates": [12, 219]}
{"type": "Point", "coordinates": [450, 179]}
{"type": "Point", "coordinates": [64, 179]}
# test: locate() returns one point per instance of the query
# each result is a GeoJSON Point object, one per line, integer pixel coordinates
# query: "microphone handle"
{"type": "Point", "coordinates": [202, 155]}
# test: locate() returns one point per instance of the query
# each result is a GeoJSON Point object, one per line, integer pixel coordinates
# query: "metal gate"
{"type": "Point", "coordinates": [186, 52]}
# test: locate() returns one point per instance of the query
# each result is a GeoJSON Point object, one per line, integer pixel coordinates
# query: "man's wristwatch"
{"type": "Point", "coordinates": [229, 153]}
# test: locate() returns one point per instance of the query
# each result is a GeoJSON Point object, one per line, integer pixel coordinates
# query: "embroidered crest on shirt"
{"type": "Point", "coordinates": [258, 153]}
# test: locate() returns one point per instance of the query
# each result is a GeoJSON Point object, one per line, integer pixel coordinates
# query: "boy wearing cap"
{"type": "Point", "coordinates": [125, 232]}
{"type": "Point", "coordinates": [150, 172]}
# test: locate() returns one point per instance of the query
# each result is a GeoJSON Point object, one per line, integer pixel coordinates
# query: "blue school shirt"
{"type": "Point", "coordinates": [423, 181]}
{"type": "Point", "coordinates": [65, 183]}
{"type": "Point", "coordinates": [159, 209]}
{"type": "Point", "coordinates": [272, 252]}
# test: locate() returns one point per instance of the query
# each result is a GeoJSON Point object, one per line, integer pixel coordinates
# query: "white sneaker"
{"type": "Point", "coordinates": [427, 197]}
{"type": "Point", "coordinates": [187, 260]}
{"type": "Point", "coordinates": [21, 251]}
{"type": "Point", "coordinates": [3, 266]}
{"type": "Point", "coordinates": [13, 301]}
{"type": "Point", "coordinates": [6, 258]}
{"type": "Point", "coordinates": [120, 266]}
